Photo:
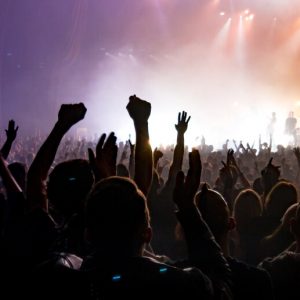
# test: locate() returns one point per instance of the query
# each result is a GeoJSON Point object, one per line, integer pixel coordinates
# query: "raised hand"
{"type": "Point", "coordinates": [11, 134]}
{"type": "Point", "coordinates": [230, 158]}
{"type": "Point", "coordinates": [131, 146]}
{"type": "Point", "coordinates": [70, 114]}
{"type": "Point", "coordinates": [104, 163]}
{"type": "Point", "coordinates": [11, 131]}
{"type": "Point", "coordinates": [124, 154]}
{"type": "Point", "coordinates": [183, 122]}
{"type": "Point", "coordinates": [270, 175]}
{"type": "Point", "coordinates": [226, 176]}
{"type": "Point", "coordinates": [186, 188]}
{"type": "Point", "coordinates": [297, 153]}
{"type": "Point", "coordinates": [157, 155]}
{"type": "Point", "coordinates": [138, 109]}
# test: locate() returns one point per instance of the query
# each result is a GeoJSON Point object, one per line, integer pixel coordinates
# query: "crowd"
{"type": "Point", "coordinates": [93, 219]}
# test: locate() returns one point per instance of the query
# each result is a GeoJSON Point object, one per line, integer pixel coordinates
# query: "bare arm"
{"type": "Point", "coordinates": [68, 116]}
{"type": "Point", "coordinates": [181, 128]}
{"type": "Point", "coordinates": [131, 159]}
{"type": "Point", "coordinates": [139, 110]}
{"type": "Point", "coordinates": [9, 182]}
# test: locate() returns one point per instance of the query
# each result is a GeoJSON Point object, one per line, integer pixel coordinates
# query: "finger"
{"type": "Point", "coordinates": [111, 141]}
{"type": "Point", "coordinates": [179, 117]}
{"type": "Point", "coordinates": [100, 144]}
{"type": "Point", "coordinates": [188, 119]}
{"type": "Point", "coordinates": [270, 161]}
{"type": "Point", "coordinates": [91, 156]}
{"type": "Point", "coordinates": [17, 128]}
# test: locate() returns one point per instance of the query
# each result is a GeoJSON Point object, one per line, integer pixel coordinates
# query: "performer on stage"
{"type": "Point", "coordinates": [290, 124]}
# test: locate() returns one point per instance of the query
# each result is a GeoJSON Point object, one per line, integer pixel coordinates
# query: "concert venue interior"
{"type": "Point", "coordinates": [228, 63]}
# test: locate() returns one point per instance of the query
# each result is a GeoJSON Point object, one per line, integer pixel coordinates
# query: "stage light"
{"type": "Point", "coordinates": [246, 11]}
{"type": "Point", "coordinates": [222, 36]}
{"type": "Point", "coordinates": [251, 17]}
{"type": "Point", "coordinates": [247, 18]}
{"type": "Point", "coordinates": [222, 13]}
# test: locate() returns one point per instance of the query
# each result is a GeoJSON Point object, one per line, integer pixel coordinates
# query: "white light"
{"type": "Point", "coordinates": [251, 17]}
{"type": "Point", "coordinates": [246, 11]}
{"type": "Point", "coordinates": [222, 13]}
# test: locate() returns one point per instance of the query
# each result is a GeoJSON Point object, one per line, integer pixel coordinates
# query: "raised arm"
{"type": "Point", "coordinates": [231, 161]}
{"type": "Point", "coordinates": [11, 134]}
{"type": "Point", "coordinates": [131, 159]}
{"type": "Point", "coordinates": [8, 180]}
{"type": "Point", "coordinates": [181, 128]}
{"type": "Point", "coordinates": [157, 155]}
{"type": "Point", "coordinates": [203, 250]}
{"type": "Point", "coordinates": [140, 110]}
{"type": "Point", "coordinates": [69, 114]}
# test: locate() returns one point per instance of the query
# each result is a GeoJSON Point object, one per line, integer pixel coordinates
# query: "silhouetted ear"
{"type": "Point", "coordinates": [231, 223]}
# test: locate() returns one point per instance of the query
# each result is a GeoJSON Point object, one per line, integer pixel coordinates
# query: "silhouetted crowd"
{"type": "Point", "coordinates": [93, 219]}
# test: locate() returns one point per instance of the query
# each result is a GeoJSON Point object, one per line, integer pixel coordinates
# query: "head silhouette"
{"type": "Point", "coordinates": [68, 185]}
{"type": "Point", "coordinates": [117, 217]}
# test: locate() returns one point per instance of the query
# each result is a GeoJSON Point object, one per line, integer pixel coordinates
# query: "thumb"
{"type": "Point", "coordinates": [92, 159]}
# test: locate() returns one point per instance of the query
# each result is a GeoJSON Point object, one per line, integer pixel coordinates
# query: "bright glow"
{"type": "Point", "coordinates": [251, 17]}
{"type": "Point", "coordinates": [240, 42]}
{"type": "Point", "coordinates": [246, 12]}
{"type": "Point", "coordinates": [222, 36]}
{"type": "Point", "coordinates": [222, 13]}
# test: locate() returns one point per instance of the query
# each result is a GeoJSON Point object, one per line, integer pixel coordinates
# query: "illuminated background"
{"type": "Point", "coordinates": [228, 63]}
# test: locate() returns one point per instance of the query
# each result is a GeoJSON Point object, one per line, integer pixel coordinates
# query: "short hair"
{"type": "Point", "coordinates": [68, 185]}
{"type": "Point", "coordinates": [116, 210]}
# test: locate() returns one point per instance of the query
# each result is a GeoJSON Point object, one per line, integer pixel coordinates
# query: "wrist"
{"type": "Point", "coordinates": [140, 123]}
{"type": "Point", "coordinates": [62, 127]}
